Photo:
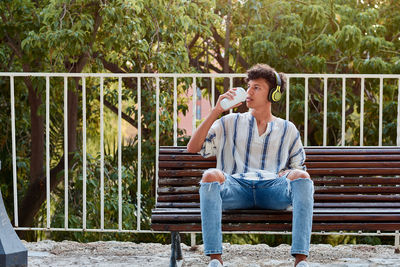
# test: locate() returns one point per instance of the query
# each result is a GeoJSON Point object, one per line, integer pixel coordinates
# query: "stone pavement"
{"type": "Point", "coordinates": [111, 253]}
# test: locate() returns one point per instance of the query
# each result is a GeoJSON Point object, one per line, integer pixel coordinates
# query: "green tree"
{"type": "Point", "coordinates": [89, 36]}
{"type": "Point", "coordinates": [315, 36]}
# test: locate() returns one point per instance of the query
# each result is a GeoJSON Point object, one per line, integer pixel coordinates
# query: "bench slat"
{"type": "Point", "coordinates": [274, 212]}
{"type": "Point", "coordinates": [357, 180]}
{"type": "Point", "coordinates": [180, 173]}
{"type": "Point", "coordinates": [243, 227]}
{"type": "Point", "coordinates": [279, 217]}
{"type": "Point", "coordinates": [315, 171]}
{"type": "Point", "coordinates": [358, 189]}
{"type": "Point", "coordinates": [184, 157]}
{"type": "Point", "coordinates": [318, 190]}
{"type": "Point", "coordinates": [357, 204]}
{"type": "Point", "coordinates": [185, 181]}
{"type": "Point", "coordinates": [346, 157]}
{"type": "Point", "coordinates": [309, 150]}
{"type": "Point", "coordinates": [371, 198]}
{"type": "Point", "coordinates": [354, 164]}
{"type": "Point", "coordinates": [352, 150]}
{"type": "Point", "coordinates": [316, 205]}
{"type": "Point", "coordinates": [317, 197]}
{"type": "Point", "coordinates": [353, 171]}
{"type": "Point", "coordinates": [166, 164]}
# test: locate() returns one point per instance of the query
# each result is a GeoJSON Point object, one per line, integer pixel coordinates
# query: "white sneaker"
{"type": "Point", "coordinates": [302, 264]}
{"type": "Point", "coordinates": [215, 263]}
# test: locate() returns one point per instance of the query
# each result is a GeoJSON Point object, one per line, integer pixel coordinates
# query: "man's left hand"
{"type": "Point", "coordinates": [282, 173]}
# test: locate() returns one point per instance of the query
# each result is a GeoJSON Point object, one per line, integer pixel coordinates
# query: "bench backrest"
{"type": "Point", "coordinates": [343, 177]}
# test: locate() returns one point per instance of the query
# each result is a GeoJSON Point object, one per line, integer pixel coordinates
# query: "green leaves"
{"type": "Point", "coordinates": [374, 65]}
{"type": "Point", "coordinates": [367, 18]}
{"type": "Point", "coordinates": [326, 45]}
{"type": "Point", "coordinates": [348, 39]}
{"type": "Point", "coordinates": [314, 16]}
{"type": "Point", "coordinates": [396, 66]}
{"type": "Point", "coordinates": [293, 46]}
{"type": "Point", "coordinates": [291, 22]}
{"type": "Point", "coordinates": [264, 50]}
{"type": "Point", "coordinates": [371, 45]}
{"type": "Point", "coordinates": [316, 64]}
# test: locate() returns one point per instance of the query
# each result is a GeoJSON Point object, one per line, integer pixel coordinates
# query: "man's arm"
{"type": "Point", "coordinates": [198, 137]}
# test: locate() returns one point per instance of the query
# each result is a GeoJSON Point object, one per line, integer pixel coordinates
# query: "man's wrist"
{"type": "Point", "coordinates": [216, 112]}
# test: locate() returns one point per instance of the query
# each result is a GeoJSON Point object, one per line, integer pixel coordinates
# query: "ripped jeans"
{"type": "Point", "coordinates": [275, 194]}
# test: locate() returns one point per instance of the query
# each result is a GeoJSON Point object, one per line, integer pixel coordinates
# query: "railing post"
{"type": "Point", "coordinates": [193, 240]}
{"type": "Point", "coordinates": [12, 251]}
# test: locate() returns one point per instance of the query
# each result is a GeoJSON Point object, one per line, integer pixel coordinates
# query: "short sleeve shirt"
{"type": "Point", "coordinates": [243, 153]}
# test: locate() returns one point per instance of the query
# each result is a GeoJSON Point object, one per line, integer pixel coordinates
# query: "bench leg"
{"type": "Point", "coordinates": [176, 259]}
{"type": "Point", "coordinates": [397, 242]}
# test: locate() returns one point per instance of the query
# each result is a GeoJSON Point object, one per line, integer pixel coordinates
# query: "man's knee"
{"type": "Point", "coordinates": [298, 174]}
{"type": "Point", "coordinates": [213, 175]}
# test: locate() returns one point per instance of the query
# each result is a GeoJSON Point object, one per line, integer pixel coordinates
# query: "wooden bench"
{"type": "Point", "coordinates": [356, 189]}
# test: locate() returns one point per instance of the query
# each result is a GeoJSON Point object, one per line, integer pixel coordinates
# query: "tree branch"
{"type": "Point", "coordinates": [10, 41]}
{"type": "Point", "coordinates": [221, 41]}
{"type": "Point", "coordinates": [114, 109]}
{"type": "Point", "coordinates": [114, 68]}
{"type": "Point", "coordinates": [226, 66]}
{"type": "Point", "coordinates": [78, 67]}
{"type": "Point", "coordinates": [197, 63]}
{"type": "Point", "coordinates": [194, 40]}
{"type": "Point", "coordinates": [36, 192]}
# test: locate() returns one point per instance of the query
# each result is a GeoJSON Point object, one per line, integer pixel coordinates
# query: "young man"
{"type": "Point", "coordinates": [259, 164]}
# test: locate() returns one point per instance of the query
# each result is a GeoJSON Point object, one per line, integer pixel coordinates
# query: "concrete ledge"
{"type": "Point", "coordinates": [12, 251]}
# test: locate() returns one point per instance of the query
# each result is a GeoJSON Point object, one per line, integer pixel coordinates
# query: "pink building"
{"type": "Point", "coordinates": [203, 107]}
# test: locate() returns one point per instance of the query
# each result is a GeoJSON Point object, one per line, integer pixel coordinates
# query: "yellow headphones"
{"type": "Point", "coordinates": [275, 94]}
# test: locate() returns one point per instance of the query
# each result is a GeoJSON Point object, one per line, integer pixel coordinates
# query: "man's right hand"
{"type": "Point", "coordinates": [198, 137]}
{"type": "Point", "coordinates": [230, 95]}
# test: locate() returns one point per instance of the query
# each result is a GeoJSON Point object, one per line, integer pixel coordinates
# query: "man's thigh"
{"type": "Point", "coordinates": [236, 194]}
{"type": "Point", "coordinates": [274, 195]}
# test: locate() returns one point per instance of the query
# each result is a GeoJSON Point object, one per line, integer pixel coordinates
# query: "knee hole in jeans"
{"type": "Point", "coordinates": [298, 174]}
{"type": "Point", "coordinates": [213, 175]}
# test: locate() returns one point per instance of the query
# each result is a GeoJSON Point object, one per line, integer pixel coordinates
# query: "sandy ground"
{"type": "Point", "coordinates": [67, 253]}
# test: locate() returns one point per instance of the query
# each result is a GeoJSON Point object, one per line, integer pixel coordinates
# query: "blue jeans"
{"type": "Point", "coordinates": [275, 194]}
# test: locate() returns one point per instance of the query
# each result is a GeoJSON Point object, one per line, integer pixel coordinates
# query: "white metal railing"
{"type": "Point", "coordinates": [157, 77]}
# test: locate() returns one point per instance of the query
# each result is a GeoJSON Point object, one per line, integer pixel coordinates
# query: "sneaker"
{"type": "Point", "coordinates": [302, 264]}
{"type": "Point", "coordinates": [215, 263]}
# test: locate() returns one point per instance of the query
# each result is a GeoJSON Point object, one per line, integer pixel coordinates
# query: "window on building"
{"type": "Point", "coordinates": [198, 104]}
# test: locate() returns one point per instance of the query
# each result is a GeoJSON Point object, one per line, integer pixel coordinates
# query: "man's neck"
{"type": "Point", "coordinates": [263, 115]}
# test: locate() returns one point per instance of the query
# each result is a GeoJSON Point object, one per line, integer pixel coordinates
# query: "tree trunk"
{"type": "Point", "coordinates": [226, 45]}
{"type": "Point", "coordinates": [36, 192]}
{"type": "Point", "coordinates": [37, 133]}
{"type": "Point", "coordinates": [35, 195]}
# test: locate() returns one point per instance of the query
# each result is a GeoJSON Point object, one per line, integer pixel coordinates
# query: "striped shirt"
{"type": "Point", "coordinates": [243, 153]}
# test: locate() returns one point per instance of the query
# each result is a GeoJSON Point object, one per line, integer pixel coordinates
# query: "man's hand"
{"type": "Point", "coordinates": [282, 173]}
{"type": "Point", "coordinates": [230, 95]}
{"type": "Point", "coordinates": [198, 137]}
